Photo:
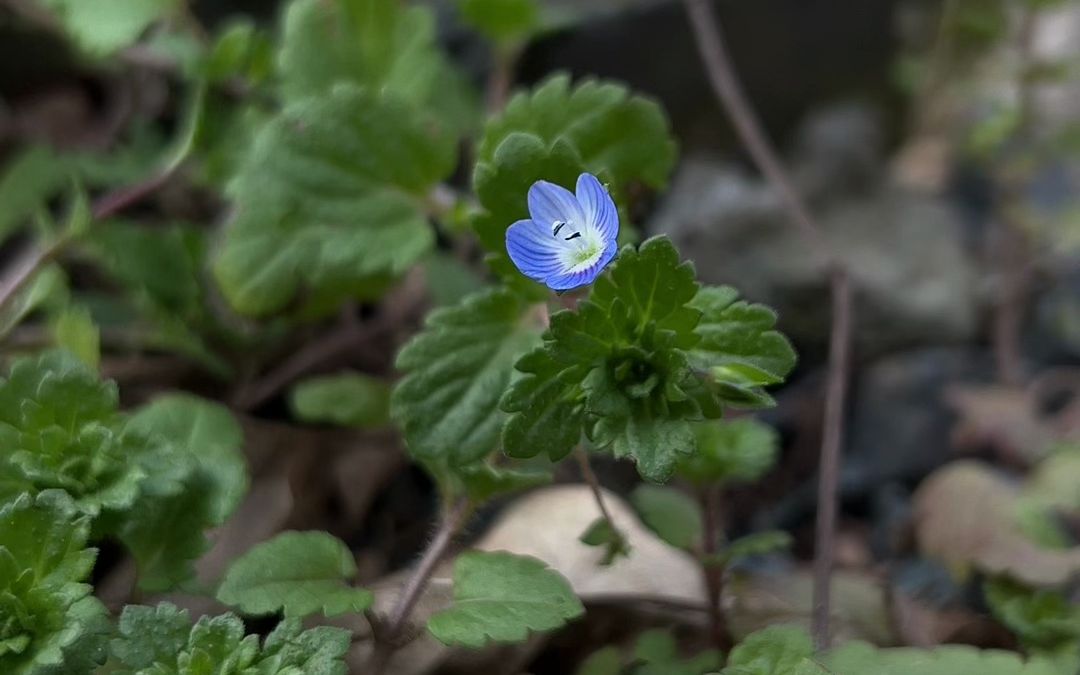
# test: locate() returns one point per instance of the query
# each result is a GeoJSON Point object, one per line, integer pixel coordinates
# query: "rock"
{"type": "Point", "coordinates": [914, 281]}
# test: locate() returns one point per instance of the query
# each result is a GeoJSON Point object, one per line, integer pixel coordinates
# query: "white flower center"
{"type": "Point", "coordinates": [579, 249]}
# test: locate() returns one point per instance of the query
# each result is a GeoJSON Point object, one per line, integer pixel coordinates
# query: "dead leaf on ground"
{"type": "Point", "coordinates": [965, 516]}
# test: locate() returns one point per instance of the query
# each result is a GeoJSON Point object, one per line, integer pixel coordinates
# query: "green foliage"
{"type": "Point", "coordinates": [656, 653]}
{"type": "Point", "coordinates": [29, 181]}
{"type": "Point", "coordinates": [502, 21]}
{"type": "Point", "coordinates": [858, 658]}
{"type": "Point", "coordinates": [736, 451]}
{"type": "Point", "coordinates": [47, 291]}
{"type": "Point", "coordinates": [60, 428]}
{"type": "Point", "coordinates": [49, 622]}
{"type": "Point", "coordinates": [197, 477]}
{"type": "Point", "coordinates": [344, 399]}
{"type": "Point", "coordinates": [330, 198]}
{"type": "Point", "coordinates": [1044, 620]}
{"type": "Point", "coordinates": [299, 573]}
{"type": "Point", "coordinates": [457, 369]}
{"type": "Point", "coordinates": [602, 532]}
{"type": "Point", "coordinates": [759, 543]}
{"type": "Point", "coordinates": [74, 330]}
{"type": "Point", "coordinates": [621, 367]}
{"type": "Point", "coordinates": [739, 347]}
{"type": "Point", "coordinates": [779, 650]}
{"type": "Point", "coordinates": [100, 27]}
{"type": "Point", "coordinates": [670, 513]}
{"type": "Point", "coordinates": [381, 45]}
{"type": "Point", "coordinates": [501, 597]}
{"type": "Point", "coordinates": [161, 640]}
{"type": "Point", "coordinates": [606, 661]}
{"type": "Point", "coordinates": [480, 482]}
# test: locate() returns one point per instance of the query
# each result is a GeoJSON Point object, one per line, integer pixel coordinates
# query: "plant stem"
{"type": "Point", "coordinates": [729, 92]}
{"type": "Point", "coordinates": [582, 458]}
{"type": "Point", "coordinates": [712, 572]}
{"type": "Point", "coordinates": [452, 522]}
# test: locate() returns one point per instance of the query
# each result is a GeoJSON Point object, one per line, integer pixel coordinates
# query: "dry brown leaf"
{"type": "Point", "coordinates": [965, 516]}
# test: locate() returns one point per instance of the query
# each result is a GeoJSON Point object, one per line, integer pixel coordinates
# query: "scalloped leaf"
{"type": "Point", "coordinates": [331, 199]}
{"type": "Point", "coordinates": [736, 451]}
{"type": "Point", "coordinates": [501, 597]}
{"type": "Point", "coordinates": [457, 369]}
{"type": "Point", "coordinates": [300, 573]}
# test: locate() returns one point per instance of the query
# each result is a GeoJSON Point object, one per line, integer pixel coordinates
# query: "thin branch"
{"type": "Point", "coordinates": [729, 91]}
{"type": "Point", "coordinates": [451, 524]}
{"type": "Point", "coordinates": [26, 267]}
{"type": "Point", "coordinates": [501, 78]}
{"type": "Point", "coordinates": [712, 572]}
{"type": "Point", "coordinates": [587, 473]}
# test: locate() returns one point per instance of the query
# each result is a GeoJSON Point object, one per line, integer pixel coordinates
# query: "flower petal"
{"type": "Point", "coordinates": [550, 203]}
{"type": "Point", "coordinates": [533, 250]}
{"type": "Point", "coordinates": [598, 206]}
{"type": "Point", "coordinates": [567, 281]}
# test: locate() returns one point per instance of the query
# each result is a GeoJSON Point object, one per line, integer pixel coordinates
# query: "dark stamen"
{"type": "Point", "coordinates": [573, 236]}
{"type": "Point", "coordinates": [558, 226]}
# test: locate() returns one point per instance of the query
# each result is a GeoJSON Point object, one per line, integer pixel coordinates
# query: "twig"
{"type": "Point", "coordinates": [108, 205]}
{"type": "Point", "coordinates": [712, 572]}
{"type": "Point", "coordinates": [726, 85]}
{"type": "Point", "coordinates": [501, 78]}
{"type": "Point", "coordinates": [590, 478]}
{"type": "Point", "coordinates": [451, 524]}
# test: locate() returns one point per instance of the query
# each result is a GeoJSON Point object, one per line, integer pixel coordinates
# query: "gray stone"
{"type": "Point", "coordinates": [915, 283]}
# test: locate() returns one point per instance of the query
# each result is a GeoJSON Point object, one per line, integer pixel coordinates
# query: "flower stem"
{"type": "Point", "coordinates": [712, 572]}
{"type": "Point", "coordinates": [587, 473]}
{"type": "Point", "coordinates": [452, 522]}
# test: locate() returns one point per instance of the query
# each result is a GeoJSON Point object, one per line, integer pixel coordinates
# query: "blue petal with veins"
{"type": "Point", "coordinates": [569, 237]}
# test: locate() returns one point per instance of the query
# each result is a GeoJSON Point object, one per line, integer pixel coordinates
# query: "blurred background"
{"type": "Point", "coordinates": [937, 143]}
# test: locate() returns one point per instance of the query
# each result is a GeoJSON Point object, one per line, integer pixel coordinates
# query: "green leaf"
{"type": "Point", "coordinates": [670, 513]}
{"type": "Point", "coordinates": [658, 654]}
{"type": "Point", "coordinates": [617, 366]}
{"type": "Point", "coordinates": [100, 27]}
{"type": "Point", "coordinates": [502, 21]}
{"type": "Point", "coordinates": [239, 50]}
{"type": "Point", "coordinates": [378, 44]}
{"type": "Point", "coordinates": [198, 477]}
{"type": "Point", "coordinates": [1043, 619]}
{"type": "Point", "coordinates": [624, 136]}
{"type": "Point", "coordinates": [75, 331]}
{"type": "Point", "coordinates": [28, 182]}
{"type": "Point", "coordinates": [739, 450]}
{"type": "Point", "coordinates": [344, 399]}
{"type": "Point", "coordinates": [779, 650]}
{"type": "Point", "coordinates": [739, 347]}
{"type": "Point", "coordinates": [330, 197]}
{"type": "Point", "coordinates": [457, 369]}
{"type": "Point", "coordinates": [49, 622]}
{"type": "Point", "coordinates": [602, 532]}
{"type": "Point", "coordinates": [60, 428]}
{"type": "Point", "coordinates": [47, 290]}
{"type": "Point", "coordinates": [161, 641]}
{"type": "Point", "coordinates": [759, 543]}
{"type": "Point", "coordinates": [156, 265]}
{"type": "Point", "coordinates": [501, 597]}
{"type": "Point", "coordinates": [481, 482]}
{"type": "Point", "coordinates": [300, 573]}
{"type": "Point", "coordinates": [606, 661]}
{"type": "Point", "coordinates": [859, 658]}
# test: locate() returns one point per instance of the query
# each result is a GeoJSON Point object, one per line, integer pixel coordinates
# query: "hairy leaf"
{"type": "Point", "coordinates": [60, 428]}
{"type": "Point", "coordinates": [198, 477]}
{"type": "Point", "coordinates": [330, 198]}
{"type": "Point", "coordinates": [457, 369]}
{"type": "Point", "coordinates": [501, 597]}
{"type": "Point", "coordinates": [161, 640]}
{"type": "Point", "coordinates": [49, 622]}
{"type": "Point", "coordinates": [300, 573]}
{"type": "Point", "coordinates": [859, 658]}
{"type": "Point", "coordinates": [778, 650]}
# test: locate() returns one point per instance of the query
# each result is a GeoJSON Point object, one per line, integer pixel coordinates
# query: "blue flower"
{"type": "Point", "coordinates": [570, 238]}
